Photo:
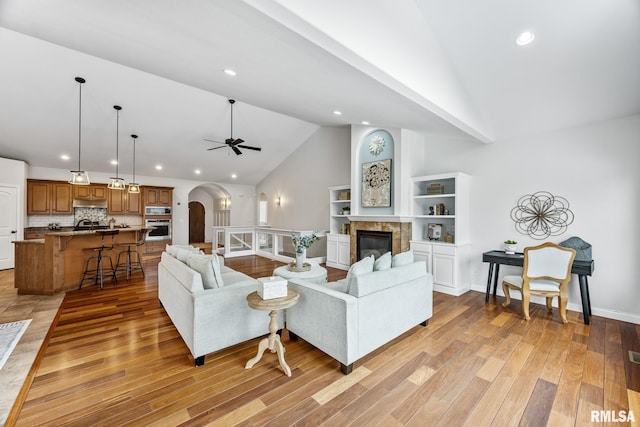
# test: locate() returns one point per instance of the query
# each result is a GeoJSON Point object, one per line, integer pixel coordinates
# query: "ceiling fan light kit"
{"type": "Point", "coordinates": [79, 177]}
{"type": "Point", "coordinates": [234, 144]}
{"type": "Point", "coordinates": [117, 183]}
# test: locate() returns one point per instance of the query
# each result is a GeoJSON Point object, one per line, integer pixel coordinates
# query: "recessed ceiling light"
{"type": "Point", "coordinates": [337, 113]}
{"type": "Point", "coordinates": [159, 167]}
{"type": "Point", "coordinates": [364, 122]}
{"type": "Point", "coordinates": [234, 176]}
{"type": "Point", "coordinates": [197, 171]}
{"type": "Point", "coordinates": [525, 38]}
{"type": "Point", "coordinates": [114, 162]}
{"type": "Point", "coordinates": [65, 157]}
{"type": "Point", "coordinates": [230, 72]}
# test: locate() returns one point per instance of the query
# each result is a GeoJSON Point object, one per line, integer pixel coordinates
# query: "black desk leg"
{"type": "Point", "coordinates": [495, 279]}
{"type": "Point", "coordinates": [486, 297]}
{"type": "Point", "coordinates": [586, 304]}
{"type": "Point", "coordinates": [586, 280]}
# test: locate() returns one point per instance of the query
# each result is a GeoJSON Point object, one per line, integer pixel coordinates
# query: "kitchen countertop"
{"type": "Point", "coordinates": [71, 232]}
{"type": "Point", "coordinates": [31, 241]}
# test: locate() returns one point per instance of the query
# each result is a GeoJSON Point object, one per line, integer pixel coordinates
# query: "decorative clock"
{"type": "Point", "coordinates": [376, 145]}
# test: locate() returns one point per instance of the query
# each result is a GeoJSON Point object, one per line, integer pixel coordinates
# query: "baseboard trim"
{"type": "Point", "coordinates": [596, 311]}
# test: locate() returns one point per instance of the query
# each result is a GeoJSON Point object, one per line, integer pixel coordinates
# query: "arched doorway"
{"type": "Point", "coordinates": [196, 222]}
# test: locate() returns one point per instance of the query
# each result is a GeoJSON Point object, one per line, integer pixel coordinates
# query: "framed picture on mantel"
{"type": "Point", "coordinates": [376, 184]}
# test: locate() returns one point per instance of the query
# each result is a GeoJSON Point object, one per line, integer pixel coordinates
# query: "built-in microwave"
{"type": "Point", "coordinates": [157, 210]}
{"type": "Point", "coordinates": [161, 229]}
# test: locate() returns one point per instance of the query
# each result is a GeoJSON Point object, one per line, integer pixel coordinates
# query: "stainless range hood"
{"type": "Point", "coordinates": [80, 203]}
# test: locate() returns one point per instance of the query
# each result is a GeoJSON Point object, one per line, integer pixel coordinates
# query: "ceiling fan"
{"type": "Point", "coordinates": [234, 144]}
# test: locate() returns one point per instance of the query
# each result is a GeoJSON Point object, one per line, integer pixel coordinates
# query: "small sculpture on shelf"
{"type": "Point", "coordinates": [434, 231]}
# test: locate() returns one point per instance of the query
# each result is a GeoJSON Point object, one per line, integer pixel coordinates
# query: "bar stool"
{"type": "Point", "coordinates": [131, 265]}
{"type": "Point", "coordinates": [99, 272]}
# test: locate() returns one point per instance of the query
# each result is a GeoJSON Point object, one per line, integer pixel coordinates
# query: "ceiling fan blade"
{"type": "Point", "coordinates": [236, 141]}
{"type": "Point", "coordinates": [215, 148]}
{"type": "Point", "coordinates": [235, 150]}
{"type": "Point", "coordinates": [212, 140]}
{"type": "Point", "coordinates": [250, 148]}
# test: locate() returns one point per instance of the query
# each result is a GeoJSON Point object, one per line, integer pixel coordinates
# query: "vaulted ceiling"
{"type": "Point", "coordinates": [444, 68]}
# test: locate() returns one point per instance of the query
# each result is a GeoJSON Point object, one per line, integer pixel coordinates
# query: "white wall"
{"type": "Point", "coordinates": [243, 197]}
{"type": "Point", "coordinates": [13, 173]}
{"type": "Point", "coordinates": [304, 177]}
{"type": "Point", "coordinates": [594, 167]}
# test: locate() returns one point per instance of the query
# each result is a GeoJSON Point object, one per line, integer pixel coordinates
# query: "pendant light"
{"type": "Point", "coordinates": [117, 183]}
{"type": "Point", "coordinates": [79, 177]}
{"type": "Point", "coordinates": [134, 187]}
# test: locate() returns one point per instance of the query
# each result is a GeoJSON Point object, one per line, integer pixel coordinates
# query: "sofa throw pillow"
{"type": "Point", "coordinates": [174, 250]}
{"type": "Point", "coordinates": [383, 262]}
{"type": "Point", "coordinates": [403, 258]}
{"type": "Point", "coordinates": [364, 266]}
{"type": "Point", "coordinates": [205, 265]}
{"type": "Point", "coordinates": [218, 263]}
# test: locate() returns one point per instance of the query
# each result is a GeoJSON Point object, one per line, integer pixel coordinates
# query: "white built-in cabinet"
{"type": "Point", "coordinates": [447, 260]}
{"type": "Point", "coordinates": [338, 240]}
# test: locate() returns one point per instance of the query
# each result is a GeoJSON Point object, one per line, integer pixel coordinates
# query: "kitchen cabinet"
{"type": "Point", "coordinates": [90, 192]}
{"type": "Point", "coordinates": [121, 202]}
{"type": "Point", "coordinates": [158, 196]}
{"type": "Point", "coordinates": [49, 198]}
{"type": "Point", "coordinates": [31, 235]}
{"type": "Point", "coordinates": [155, 247]}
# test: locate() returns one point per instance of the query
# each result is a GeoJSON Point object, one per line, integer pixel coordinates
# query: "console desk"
{"type": "Point", "coordinates": [581, 268]}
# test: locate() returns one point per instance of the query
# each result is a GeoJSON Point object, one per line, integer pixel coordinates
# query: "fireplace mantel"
{"type": "Point", "coordinates": [380, 218]}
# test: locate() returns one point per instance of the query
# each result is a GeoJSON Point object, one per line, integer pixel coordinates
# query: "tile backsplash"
{"type": "Point", "coordinates": [93, 214]}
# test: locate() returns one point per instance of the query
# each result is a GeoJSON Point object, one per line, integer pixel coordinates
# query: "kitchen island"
{"type": "Point", "coordinates": [55, 264]}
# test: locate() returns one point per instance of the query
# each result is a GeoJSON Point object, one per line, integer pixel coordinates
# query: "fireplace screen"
{"type": "Point", "coordinates": [374, 243]}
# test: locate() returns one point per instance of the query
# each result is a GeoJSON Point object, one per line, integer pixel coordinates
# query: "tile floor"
{"type": "Point", "coordinates": [42, 310]}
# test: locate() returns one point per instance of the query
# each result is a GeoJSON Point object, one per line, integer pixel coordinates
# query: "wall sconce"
{"type": "Point", "coordinates": [278, 200]}
{"type": "Point", "coordinates": [225, 203]}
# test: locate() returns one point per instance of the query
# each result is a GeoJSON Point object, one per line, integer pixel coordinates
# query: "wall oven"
{"type": "Point", "coordinates": [161, 229]}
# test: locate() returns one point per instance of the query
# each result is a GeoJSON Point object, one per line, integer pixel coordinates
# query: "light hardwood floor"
{"type": "Point", "coordinates": [42, 311]}
{"type": "Point", "coordinates": [115, 358]}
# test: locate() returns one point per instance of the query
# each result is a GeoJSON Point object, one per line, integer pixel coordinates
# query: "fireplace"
{"type": "Point", "coordinates": [398, 235]}
{"type": "Point", "coordinates": [376, 243]}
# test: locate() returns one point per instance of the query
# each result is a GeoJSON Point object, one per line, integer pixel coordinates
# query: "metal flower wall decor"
{"type": "Point", "coordinates": [541, 215]}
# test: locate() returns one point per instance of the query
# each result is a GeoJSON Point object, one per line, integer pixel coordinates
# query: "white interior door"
{"type": "Point", "coordinates": [8, 225]}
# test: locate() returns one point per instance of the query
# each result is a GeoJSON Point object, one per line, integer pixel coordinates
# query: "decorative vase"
{"type": "Point", "coordinates": [300, 257]}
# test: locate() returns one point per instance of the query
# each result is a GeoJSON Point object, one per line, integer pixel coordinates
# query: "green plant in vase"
{"type": "Point", "coordinates": [510, 246]}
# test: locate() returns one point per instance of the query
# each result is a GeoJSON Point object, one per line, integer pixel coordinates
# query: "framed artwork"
{"type": "Point", "coordinates": [376, 184]}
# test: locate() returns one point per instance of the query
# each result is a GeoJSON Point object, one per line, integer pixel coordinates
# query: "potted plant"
{"type": "Point", "coordinates": [510, 247]}
{"type": "Point", "coordinates": [301, 244]}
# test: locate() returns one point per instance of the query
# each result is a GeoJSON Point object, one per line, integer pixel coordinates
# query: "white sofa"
{"type": "Point", "coordinates": [209, 319]}
{"type": "Point", "coordinates": [349, 320]}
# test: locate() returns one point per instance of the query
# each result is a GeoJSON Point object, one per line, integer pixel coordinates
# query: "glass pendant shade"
{"type": "Point", "coordinates": [117, 183]}
{"type": "Point", "coordinates": [79, 177]}
{"type": "Point", "coordinates": [134, 187]}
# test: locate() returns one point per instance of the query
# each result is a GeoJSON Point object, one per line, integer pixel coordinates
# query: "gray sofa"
{"type": "Point", "coordinates": [349, 320]}
{"type": "Point", "coordinates": [209, 319]}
